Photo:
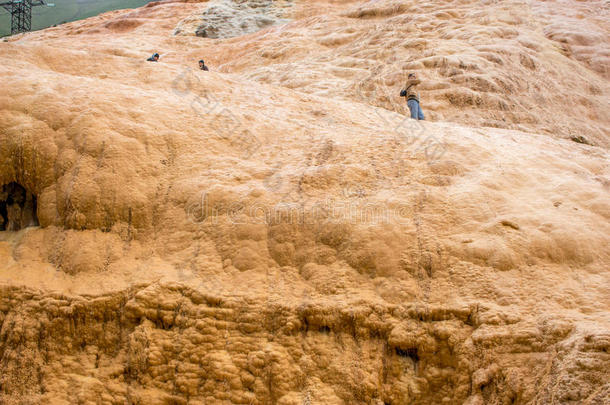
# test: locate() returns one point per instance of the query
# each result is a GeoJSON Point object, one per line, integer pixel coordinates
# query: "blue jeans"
{"type": "Point", "coordinates": [415, 108]}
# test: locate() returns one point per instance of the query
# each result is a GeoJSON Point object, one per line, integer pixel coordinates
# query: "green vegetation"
{"type": "Point", "coordinates": [67, 10]}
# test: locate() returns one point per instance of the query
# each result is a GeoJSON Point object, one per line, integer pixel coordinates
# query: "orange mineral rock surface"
{"type": "Point", "coordinates": [278, 231]}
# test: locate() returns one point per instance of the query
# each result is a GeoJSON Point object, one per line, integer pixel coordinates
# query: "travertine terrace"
{"type": "Point", "coordinates": [277, 231]}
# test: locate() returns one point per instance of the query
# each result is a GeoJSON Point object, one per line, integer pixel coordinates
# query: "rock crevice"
{"type": "Point", "coordinates": [18, 207]}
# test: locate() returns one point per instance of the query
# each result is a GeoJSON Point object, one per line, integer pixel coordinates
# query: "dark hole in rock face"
{"type": "Point", "coordinates": [411, 352]}
{"type": "Point", "coordinates": [17, 207]}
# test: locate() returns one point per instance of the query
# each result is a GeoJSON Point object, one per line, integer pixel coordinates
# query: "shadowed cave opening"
{"type": "Point", "coordinates": [17, 207]}
{"type": "Point", "coordinates": [410, 352]}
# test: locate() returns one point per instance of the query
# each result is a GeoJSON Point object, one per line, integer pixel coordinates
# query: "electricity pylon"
{"type": "Point", "coordinates": [21, 13]}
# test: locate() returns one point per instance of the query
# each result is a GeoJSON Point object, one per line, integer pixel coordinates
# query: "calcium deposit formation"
{"type": "Point", "coordinates": [278, 231]}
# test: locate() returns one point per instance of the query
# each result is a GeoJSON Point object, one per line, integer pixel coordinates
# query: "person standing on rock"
{"type": "Point", "coordinates": [413, 97]}
{"type": "Point", "coordinates": [202, 65]}
{"type": "Point", "coordinates": [154, 58]}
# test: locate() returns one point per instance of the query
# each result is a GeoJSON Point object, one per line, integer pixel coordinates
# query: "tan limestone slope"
{"type": "Point", "coordinates": [226, 237]}
{"type": "Point", "coordinates": [506, 64]}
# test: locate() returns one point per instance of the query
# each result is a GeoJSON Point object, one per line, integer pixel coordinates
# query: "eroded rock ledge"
{"type": "Point", "coordinates": [167, 344]}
